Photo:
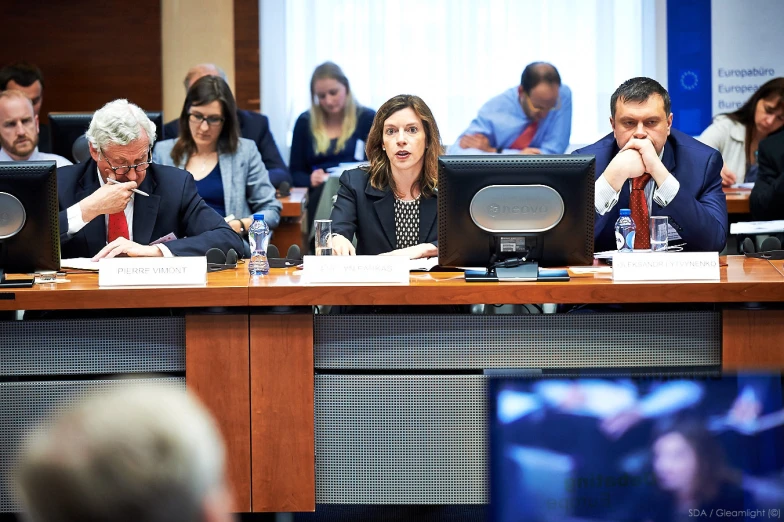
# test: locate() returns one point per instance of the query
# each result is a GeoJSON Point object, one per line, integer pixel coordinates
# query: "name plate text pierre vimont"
{"type": "Point", "coordinates": [152, 271]}
{"type": "Point", "coordinates": [355, 269]}
{"type": "Point", "coordinates": [666, 266]}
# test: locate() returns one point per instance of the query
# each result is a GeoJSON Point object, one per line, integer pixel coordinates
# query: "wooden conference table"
{"type": "Point", "coordinates": [737, 200]}
{"type": "Point", "coordinates": [253, 365]}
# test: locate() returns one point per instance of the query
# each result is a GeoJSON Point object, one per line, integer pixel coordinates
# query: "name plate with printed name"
{"type": "Point", "coordinates": [666, 266]}
{"type": "Point", "coordinates": [355, 269]}
{"type": "Point", "coordinates": [152, 271]}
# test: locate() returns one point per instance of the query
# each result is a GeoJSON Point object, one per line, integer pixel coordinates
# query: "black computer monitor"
{"type": "Point", "coordinates": [29, 217]}
{"type": "Point", "coordinates": [67, 127]}
{"type": "Point", "coordinates": [512, 213]}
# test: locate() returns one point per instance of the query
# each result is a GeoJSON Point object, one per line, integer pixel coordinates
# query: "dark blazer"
{"type": "Point", "coordinates": [767, 196]}
{"type": "Point", "coordinates": [255, 127]}
{"type": "Point", "coordinates": [699, 210]}
{"type": "Point", "coordinates": [370, 214]}
{"type": "Point", "coordinates": [173, 206]}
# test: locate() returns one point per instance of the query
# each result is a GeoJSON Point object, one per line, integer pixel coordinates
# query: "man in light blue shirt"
{"type": "Point", "coordinates": [19, 130]}
{"type": "Point", "coordinates": [532, 118]}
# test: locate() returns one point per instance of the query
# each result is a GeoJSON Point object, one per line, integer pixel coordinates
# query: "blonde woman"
{"type": "Point", "coordinates": [333, 131]}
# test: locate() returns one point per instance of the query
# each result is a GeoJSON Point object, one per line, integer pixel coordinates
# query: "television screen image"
{"type": "Point", "coordinates": [67, 127]}
{"type": "Point", "coordinates": [636, 449]}
{"type": "Point", "coordinates": [515, 212]}
{"type": "Point", "coordinates": [29, 217]}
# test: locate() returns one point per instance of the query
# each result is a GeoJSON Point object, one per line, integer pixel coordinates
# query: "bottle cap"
{"type": "Point", "coordinates": [626, 212]}
{"type": "Point", "coordinates": [258, 217]}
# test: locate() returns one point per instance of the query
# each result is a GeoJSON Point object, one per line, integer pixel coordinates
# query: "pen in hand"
{"type": "Point", "coordinates": [111, 180]}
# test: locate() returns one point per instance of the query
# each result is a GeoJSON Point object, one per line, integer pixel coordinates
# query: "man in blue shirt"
{"type": "Point", "coordinates": [533, 118]}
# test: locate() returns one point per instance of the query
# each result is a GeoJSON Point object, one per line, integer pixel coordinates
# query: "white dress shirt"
{"type": "Point", "coordinates": [76, 223]}
{"type": "Point", "coordinates": [38, 156]}
{"type": "Point", "coordinates": [605, 197]}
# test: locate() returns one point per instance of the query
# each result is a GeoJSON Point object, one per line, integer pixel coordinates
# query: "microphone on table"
{"type": "Point", "coordinates": [747, 247]}
{"type": "Point", "coordinates": [217, 260]}
{"type": "Point", "coordinates": [293, 257]}
{"type": "Point", "coordinates": [272, 251]}
{"type": "Point", "coordinates": [284, 189]}
{"type": "Point", "coordinates": [770, 243]}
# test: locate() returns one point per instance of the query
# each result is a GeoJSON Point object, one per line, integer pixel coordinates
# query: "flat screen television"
{"type": "Point", "coordinates": [627, 448]}
{"type": "Point", "coordinates": [515, 212]}
{"type": "Point", "coordinates": [67, 127]}
{"type": "Point", "coordinates": [29, 217]}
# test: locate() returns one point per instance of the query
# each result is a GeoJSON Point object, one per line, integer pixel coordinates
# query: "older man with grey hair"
{"type": "Point", "coordinates": [253, 126]}
{"type": "Point", "coordinates": [120, 203]}
{"type": "Point", "coordinates": [139, 453]}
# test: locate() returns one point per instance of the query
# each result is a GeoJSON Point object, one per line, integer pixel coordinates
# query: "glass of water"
{"type": "Point", "coordinates": [323, 229]}
{"type": "Point", "coordinates": [659, 228]}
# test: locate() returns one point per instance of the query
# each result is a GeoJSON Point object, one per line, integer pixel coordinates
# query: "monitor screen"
{"type": "Point", "coordinates": [643, 448]}
{"type": "Point", "coordinates": [29, 217]}
{"type": "Point", "coordinates": [536, 208]}
{"type": "Point", "coordinates": [67, 127]}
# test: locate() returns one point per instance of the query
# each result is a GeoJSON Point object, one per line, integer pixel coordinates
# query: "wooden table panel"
{"type": "Point", "coordinates": [753, 339]}
{"type": "Point", "coordinates": [289, 231]}
{"type": "Point", "coordinates": [217, 366]}
{"type": "Point", "coordinates": [737, 200]}
{"type": "Point", "coordinates": [283, 437]}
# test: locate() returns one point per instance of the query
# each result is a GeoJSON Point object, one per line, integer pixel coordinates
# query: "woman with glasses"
{"type": "Point", "coordinates": [333, 131]}
{"type": "Point", "coordinates": [737, 134]}
{"type": "Point", "coordinates": [228, 170]}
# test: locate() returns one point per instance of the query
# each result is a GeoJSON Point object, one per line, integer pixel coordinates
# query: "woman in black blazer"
{"type": "Point", "coordinates": [391, 203]}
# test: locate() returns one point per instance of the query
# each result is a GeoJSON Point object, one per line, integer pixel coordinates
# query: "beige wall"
{"type": "Point", "coordinates": [193, 31]}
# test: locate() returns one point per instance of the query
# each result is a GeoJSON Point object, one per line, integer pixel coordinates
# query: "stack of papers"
{"type": "Point", "coordinates": [757, 227]}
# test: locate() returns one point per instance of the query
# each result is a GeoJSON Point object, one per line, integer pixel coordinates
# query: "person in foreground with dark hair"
{"type": "Point", "coordinates": [767, 196]}
{"type": "Point", "coordinates": [28, 78]}
{"type": "Point", "coordinates": [649, 167]}
{"type": "Point", "coordinates": [228, 170]}
{"type": "Point", "coordinates": [533, 118]}
{"type": "Point", "coordinates": [253, 126]}
{"type": "Point", "coordinates": [391, 204]}
{"type": "Point", "coordinates": [102, 218]}
{"type": "Point", "coordinates": [737, 134]}
{"type": "Point", "coordinates": [137, 453]}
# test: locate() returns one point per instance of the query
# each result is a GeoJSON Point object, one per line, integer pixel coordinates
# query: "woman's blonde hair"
{"type": "Point", "coordinates": [331, 71]}
{"type": "Point", "coordinates": [380, 171]}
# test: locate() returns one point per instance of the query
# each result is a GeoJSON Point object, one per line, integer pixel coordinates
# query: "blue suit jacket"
{"type": "Point", "coordinates": [255, 127]}
{"type": "Point", "coordinates": [699, 210]}
{"type": "Point", "coordinates": [370, 214]}
{"type": "Point", "coordinates": [173, 206]}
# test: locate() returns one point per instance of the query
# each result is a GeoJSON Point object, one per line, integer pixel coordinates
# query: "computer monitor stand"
{"type": "Point", "coordinates": [524, 271]}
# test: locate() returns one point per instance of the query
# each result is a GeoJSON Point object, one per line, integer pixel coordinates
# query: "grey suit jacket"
{"type": "Point", "coordinates": [246, 185]}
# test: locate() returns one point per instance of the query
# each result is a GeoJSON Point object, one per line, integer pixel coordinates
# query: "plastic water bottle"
{"type": "Point", "coordinates": [258, 237]}
{"type": "Point", "coordinates": [625, 231]}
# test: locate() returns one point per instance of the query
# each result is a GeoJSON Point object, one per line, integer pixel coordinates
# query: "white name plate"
{"type": "Point", "coordinates": [666, 266]}
{"type": "Point", "coordinates": [355, 269]}
{"type": "Point", "coordinates": [152, 271]}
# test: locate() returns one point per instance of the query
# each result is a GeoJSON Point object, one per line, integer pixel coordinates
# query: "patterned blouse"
{"type": "Point", "coordinates": [406, 223]}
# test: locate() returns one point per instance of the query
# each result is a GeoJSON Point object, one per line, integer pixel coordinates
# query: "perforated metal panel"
{"type": "Point", "coordinates": [400, 439]}
{"type": "Point", "coordinates": [587, 340]}
{"type": "Point", "coordinates": [27, 405]}
{"type": "Point", "coordinates": [97, 346]}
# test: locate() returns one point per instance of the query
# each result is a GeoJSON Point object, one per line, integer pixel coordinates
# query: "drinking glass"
{"type": "Point", "coordinates": [659, 228]}
{"type": "Point", "coordinates": [323, 229]}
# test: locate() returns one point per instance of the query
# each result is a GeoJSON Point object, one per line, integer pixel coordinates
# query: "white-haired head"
{"type": "Point", "coordinates": [119, 122]}
{"type": "Point", "coordinates": [203, 69]}
{"type": "Point", "coordinates": [143, 453]}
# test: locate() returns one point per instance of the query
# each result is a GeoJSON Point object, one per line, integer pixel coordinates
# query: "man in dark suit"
{"type": "Point", "coordinates": [103, 215]}
{"type": "Point", "coordinates": [253, 126]}
{"type": "Point", "coordinates": [669, 173]}
{"type": "Point", "coordinates": [767, 196]}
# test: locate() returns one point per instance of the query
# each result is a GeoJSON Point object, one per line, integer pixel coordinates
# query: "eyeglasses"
{"type": "Point", "coordinates": [537, 108]}
{"type": "Point", "coordinates": [211, 120]}
{"type": "Point", "coordinates": [125, 169]}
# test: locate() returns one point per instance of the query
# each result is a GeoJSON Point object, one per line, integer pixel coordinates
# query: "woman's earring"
{"type": "Point", "coordinates": [383, 148]}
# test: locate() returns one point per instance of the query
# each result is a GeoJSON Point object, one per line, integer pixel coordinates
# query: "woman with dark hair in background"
{"type": "Point", "coordinates": [228, 170]}
{"type": "Point", "coordinates": [331, 132]}
{"type": "Point", "coordinates": [391, 204]}
{"type": "Point", "coordinates": [737, 134]}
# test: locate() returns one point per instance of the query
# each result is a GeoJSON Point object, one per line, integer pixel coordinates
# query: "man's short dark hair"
{"type": "Point", "coordinates": [539, 72]}
{"type": "Point", "coordinates": [23, 73]}
{"type": "Point", "coordinates": [639, 90]}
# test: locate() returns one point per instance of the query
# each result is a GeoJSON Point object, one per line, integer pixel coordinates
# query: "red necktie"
{"type": "Point", "coordinates": [639, 207]}
{"type": "Point", "coordinates": [526, 137]}
{"type": "Point", "coordinates": [118, 226]}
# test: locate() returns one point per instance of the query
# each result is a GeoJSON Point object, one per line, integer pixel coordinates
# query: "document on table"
{"type": "Point", "coordinates": [743, 185]}
{"type": "Point", "coordinates": [757, 227]}
{"type": "Point", "coordinates": [422, 265]}
{"type": "Point", "coordinates": [79, 263]}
